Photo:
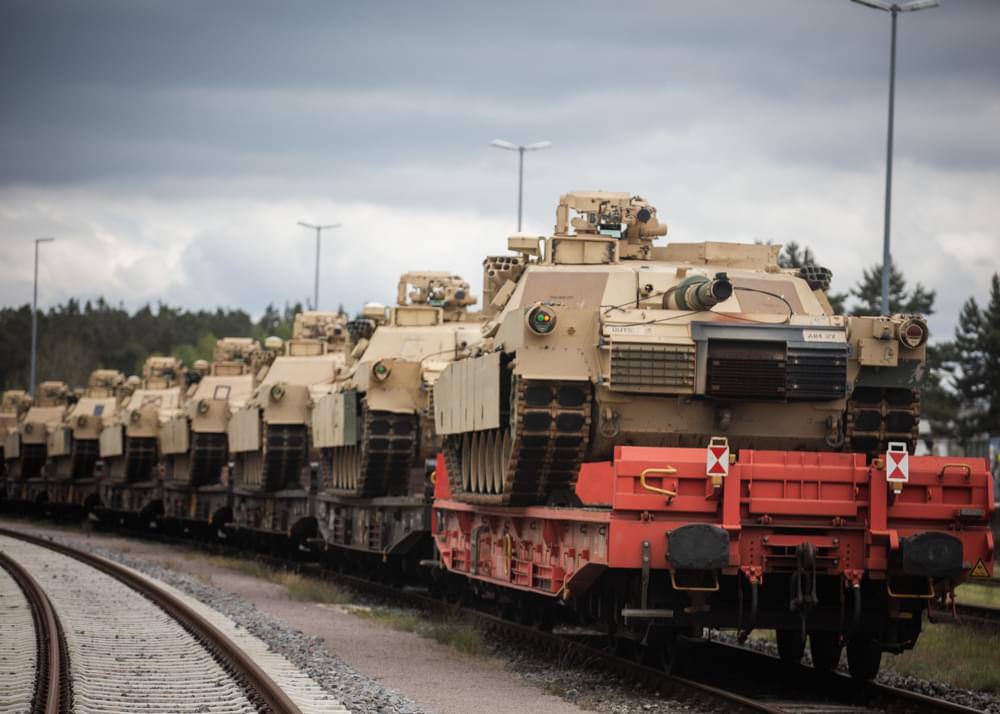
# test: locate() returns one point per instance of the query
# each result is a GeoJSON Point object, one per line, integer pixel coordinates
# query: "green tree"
{"type": "Point", "coordinates": [975, 360]}
{"type": "Point", "coordinates": [795, 256]}
{"type": "Point", "coordinates": [868, 293]}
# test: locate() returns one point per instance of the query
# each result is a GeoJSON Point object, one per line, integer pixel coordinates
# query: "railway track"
{"type": "Point", "coordinates": [134, 645]}
{"type": "Point", "coordinates": [727, 677]}
{"type": "Point", "coordinates": [971, 615]}
{"type": "Point", "coordinates": [38, 673]}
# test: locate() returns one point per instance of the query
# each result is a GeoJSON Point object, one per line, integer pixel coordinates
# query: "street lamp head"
{"type": "Point", "coordinates": [306, 225]}
{"type": "Point", "coordinates": [918, 5]}
{"type": "Point", "coordinates": [44, 240]}
{"type": "Point", "coordinates": [538, 145]}
{"type": "Point", "coordinates": [876, 4]}
{"type": "Point", "coordinates": [501, 144]}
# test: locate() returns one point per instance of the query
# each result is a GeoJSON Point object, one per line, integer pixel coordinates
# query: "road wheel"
{"type": "Point", "coordinates": [825, 649]}
{"type": "Point", "coordinates": [864, 656]}
{"type": "Point", "coordinates": [791, 645]}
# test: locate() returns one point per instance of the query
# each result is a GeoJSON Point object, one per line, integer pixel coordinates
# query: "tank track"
{"type": "Point", "coordinates": [32, 460]}
{"type": "Point", "coordinates": [85, 455]}
{"type": "Point", "coordinates": [209, 452]}
{"type": "Point", "coordinates": [140, 458]}
{"type": "Point", "coordinates": [284, 457]}
{"type": "Point", "coordinates": [878, 415]}
{"type": "Point", "coordinates": [537, 455]}
{"type": "Point", "coordinates": [381, 461]}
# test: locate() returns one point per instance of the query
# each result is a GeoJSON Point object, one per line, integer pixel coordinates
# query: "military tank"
{"type": "Point", "coordinates": [129, 447]}
{"type": "Point", "coordinates": [73, 448]}
{"type": "Point", "coordinates": [269, 436]}
{"type": "Point", "coordinates": [195, 441]}
{"type": "Point", "coordinates": [376, 432]}
{"type": "Point", "coordinates": [600, 338]}
{"type": "Point", "coordinates": [26, 450]}
{"type": "Point", "coordinates": [13, 406]}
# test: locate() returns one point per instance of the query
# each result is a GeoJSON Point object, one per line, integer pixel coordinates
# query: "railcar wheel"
{"type": "Point", "coordinates": [864, 656]}
{"type": "Point", "coordinates": [791, 645]}
{"type": "Point", "coordinates": [825, 649]}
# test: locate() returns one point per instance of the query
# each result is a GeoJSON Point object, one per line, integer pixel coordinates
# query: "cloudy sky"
{"type": "Point", "coordinates": [172, 146]}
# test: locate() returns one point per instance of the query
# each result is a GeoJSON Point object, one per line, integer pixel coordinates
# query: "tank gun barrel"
{"type": "Point", "coordinates": [698, 292]}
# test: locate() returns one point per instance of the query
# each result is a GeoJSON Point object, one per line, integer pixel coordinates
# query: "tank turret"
{"type": "Point", "coordinates": [598, 337]}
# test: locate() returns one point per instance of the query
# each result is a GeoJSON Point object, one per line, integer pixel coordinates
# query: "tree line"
{"type": "Point", "coordinates": [75, 338]}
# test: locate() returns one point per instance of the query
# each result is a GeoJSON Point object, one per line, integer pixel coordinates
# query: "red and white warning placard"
{"type": "Point", "coordinates": [717, 459]}
{"type": "Point", "coordinates": [897, 463]}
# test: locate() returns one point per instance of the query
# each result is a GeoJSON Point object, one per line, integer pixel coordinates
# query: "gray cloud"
{"type": "Point", "coordinates": [172, 146]}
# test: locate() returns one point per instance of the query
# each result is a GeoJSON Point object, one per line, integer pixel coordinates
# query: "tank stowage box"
{"type": "Point", "coordinates": [599, 338]}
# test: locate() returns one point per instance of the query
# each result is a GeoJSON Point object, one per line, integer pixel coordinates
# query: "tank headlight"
{"type": "Point", "coordinates": [541, 320]}
{"type": "Point", "coordinates": [277, 392]}
{"type": "Point", "coordinates": [81, 420]}
{"type": "Point", "coordinates": [28, 428]}
{"type": "Point", "coordinates": [913, 333]}
{"type": "Point", "coordinates": [203, 406]}
{"type": "Point", "coordinates": [381, 371]}
{"type": "Point", "coordinates": [135, 416]}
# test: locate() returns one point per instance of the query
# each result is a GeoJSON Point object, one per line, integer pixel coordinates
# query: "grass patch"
{"type": "Point", "coordinates": [457, 632]}
{"type": "Point", "coordinates": [960, 656]}
{"type": "Point", "coordinates": [972, 593]}
{"type": "Point", "coordinates": [299, 587]}
{"type": "Point", "coordinates": [307, 589]}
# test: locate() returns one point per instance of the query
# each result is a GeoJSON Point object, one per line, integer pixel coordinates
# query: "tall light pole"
{"type": "Point", "coordinates": [319, 230]}
{"type": "Point", "coordinates": [508, 146]}
{"type": "Point", "coordinates": [34, 320]}
{"type": "Point", "coordinates": [894, 9]}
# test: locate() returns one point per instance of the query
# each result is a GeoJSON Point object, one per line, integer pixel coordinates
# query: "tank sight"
{"type": "Point", "coordinates": [436, 289]}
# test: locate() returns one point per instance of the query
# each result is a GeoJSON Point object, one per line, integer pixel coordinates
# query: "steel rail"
{"type": "Point", "coordinates": [260, 688]}
{"type": "Point", "coordinates": [52, 688]}
{"type": "Point", "coordinates": [891, 698]}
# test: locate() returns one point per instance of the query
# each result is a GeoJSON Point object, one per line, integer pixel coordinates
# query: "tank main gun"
{"type": "Point", "coordinates": [698, 292]}
{"type": "Point", "coordinates": [436, 289]}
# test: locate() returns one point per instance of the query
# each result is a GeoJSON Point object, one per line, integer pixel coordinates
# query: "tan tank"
{"type": "Point", "coordinates": [194, 441]}
{"type": "Point", "coordinates": [129, 446]}
{"type": "Point", "coordinates": [377, 430]}
{"type": "Point", "coordinates": [269, 436]}
{"type": "Point", "coordinates": [13, 406]}
{"type": "Point", "coordinates": [26, 448]}
{"type": "Point", "coordinates": [599, 338]}
{"type": "Point", "coordinates": [73, 445]}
